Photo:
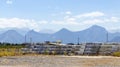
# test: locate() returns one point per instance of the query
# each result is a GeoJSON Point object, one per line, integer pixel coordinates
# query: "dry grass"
{"type": "Point", "coordinates": [10, 52]}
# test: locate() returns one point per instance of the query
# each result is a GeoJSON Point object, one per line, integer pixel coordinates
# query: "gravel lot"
{"type": "Point", "coordinates": [59, 61]}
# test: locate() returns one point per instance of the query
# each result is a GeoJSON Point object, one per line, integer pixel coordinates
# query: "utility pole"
{"type": "Point", "coordinates": [107, 37]}
{"type": "Point", "coordinates": [31, 40]}
{"type": "Point", "coordinates": [78, 40]}
{"type": "Point", "coordinates": [25, 38]}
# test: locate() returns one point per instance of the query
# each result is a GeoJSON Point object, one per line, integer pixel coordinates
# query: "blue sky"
{"type": "Point", "coordinates": [74, 15]}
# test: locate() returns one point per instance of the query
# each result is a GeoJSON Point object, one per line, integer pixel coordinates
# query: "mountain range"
{"type": "Point", "coordinates": [94, 33]}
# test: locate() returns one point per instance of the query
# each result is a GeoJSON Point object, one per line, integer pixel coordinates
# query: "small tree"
{"type": "Point", "coordinates": [53, 52]}
{"type": "Point", "coordinates": [65, 52]}
{"type": "Point", "coordinates": [46, 52]}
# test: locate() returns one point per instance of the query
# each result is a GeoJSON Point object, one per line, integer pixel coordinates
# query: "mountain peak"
{"type": "Point", "coordinates": [96, 27]}
{"type": "Point", "coordinates": [11, 36]}
{"type": "Point", "coordinates": [64, 29]}
{"type": "Point", "coordinates": [32, 31]}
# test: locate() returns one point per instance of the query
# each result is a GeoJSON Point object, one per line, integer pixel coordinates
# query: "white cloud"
{"type": "Point", "coordinates": [111, 19]}
{"type": "Point", "coordinates": [92, 14]}
{"type": "Point", "coordinates": [115, 19]}
{"type": "Point", "coordinates": [57, 22]}
{"type": "Point", "coordinates": [70, 19]}
{"type": "Point", "coordinates": [21, 23]}
{"type": "Point", "coordinates": [42, 22]}
{"type": "Point", "coordinates": [80, 19]}
{"type": "Point", "coordinates": [86, 19]}
{"type": "Point", "coordinates": [9, 2]}
{"type": "Point", "coordinates": [68, 12]}
{"type": "Point", "coordinates": [114, 29]}
{"type": "Point", "coordinates": [101, 20]}
{"type": "Point", "coordinates": [93, 21]}
{"type": "Point", "coordinates": [67, 21]}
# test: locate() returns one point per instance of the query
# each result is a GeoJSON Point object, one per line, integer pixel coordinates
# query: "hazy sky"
{"type": "Point", "coordinates": [56, 14]}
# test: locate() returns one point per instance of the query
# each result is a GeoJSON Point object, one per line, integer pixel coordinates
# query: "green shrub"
{"type": "Point", "coordinates": [65, 52]}
{"type": "Point", "coordinates": [53, 52]}
{"type": "Point", "coordinates": [46, 52]}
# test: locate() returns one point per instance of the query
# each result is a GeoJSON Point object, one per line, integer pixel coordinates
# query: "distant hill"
{"type": "Point", "coordinates": [116, 39]}
{"type": "Point", "coordinates": [47, 31]}
{"type": "Point", "coordinates": [65, 35]}
{"type": "Point", "coordinates": [94, 33]}
{"type": "Point", "coordinates": [21, 31]}
{"type": "Point", "coordinates": [36, 36]}
{"type": "Point", "coordinates": [11, 36]}
{"type": "Point", "coordinates": [113, 35]}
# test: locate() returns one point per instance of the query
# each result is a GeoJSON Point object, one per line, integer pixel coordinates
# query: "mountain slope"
{"type": "Point", "coordinates": [36, 37]}
{"type": "Point", "coordinates": [11, 36]}
{"type": "Point", "coordinates": [64, 35]}
{"type": "Point", "coordinates": [93, 34]}
{"type": "Point", "coordinates": [116, 39]}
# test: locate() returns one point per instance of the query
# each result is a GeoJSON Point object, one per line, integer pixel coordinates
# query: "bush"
{"type": "Point", "coordinates": [117, 54]}
{"type": "Point", "coordinates": [53, 52]}
{"type": "Point", "coordinates": [65, 52]}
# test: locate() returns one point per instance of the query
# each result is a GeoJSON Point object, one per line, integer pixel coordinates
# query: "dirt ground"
{"type": "Point", "coordinates": [59, 61]}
